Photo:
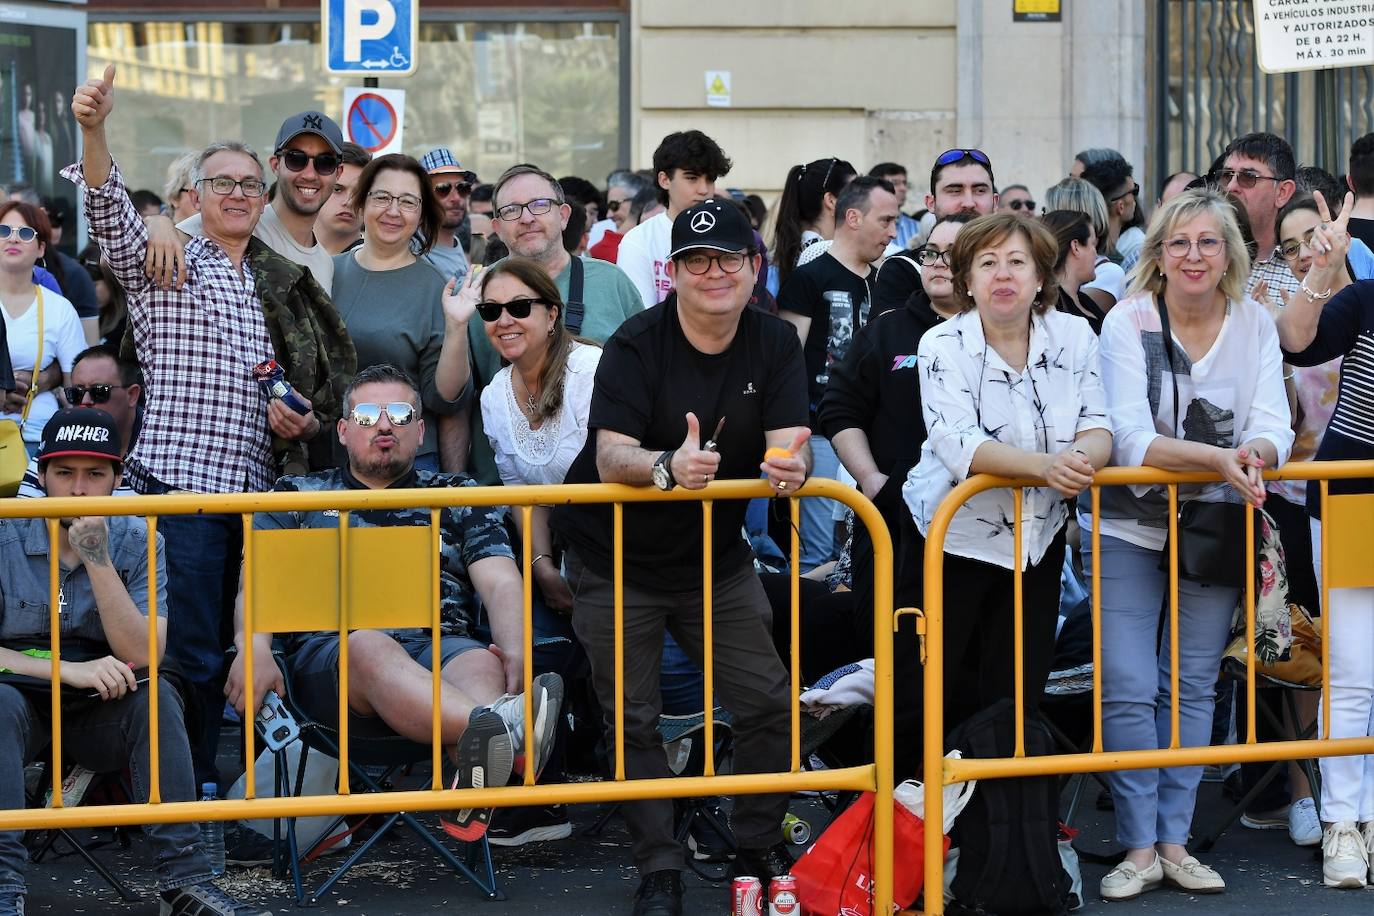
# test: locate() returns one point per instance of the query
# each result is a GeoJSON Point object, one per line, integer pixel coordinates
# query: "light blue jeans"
{"type": "Point", "coordinates": [817, 515]}
{"type": "Point", "coordinates": [1155, 805]}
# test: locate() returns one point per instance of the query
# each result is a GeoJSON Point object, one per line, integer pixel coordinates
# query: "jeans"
{"type": "Point", "coordinates": [1348, 782]}
{"type": "Point", "coordinates": [1155, 805]}
{"type": "Point", "coordinates": [203, 555]}
{"type": "Point", "coordinates": [104, 737]}
{"type": "Point", "coordinates": [817, 515]}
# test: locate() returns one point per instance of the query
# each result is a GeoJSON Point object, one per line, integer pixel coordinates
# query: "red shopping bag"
{"type": "Point", "coordinates": [835, 876]}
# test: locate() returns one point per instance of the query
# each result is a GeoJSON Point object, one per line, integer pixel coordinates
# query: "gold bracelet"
{"type": "Point", "coordinates": [542, 556]}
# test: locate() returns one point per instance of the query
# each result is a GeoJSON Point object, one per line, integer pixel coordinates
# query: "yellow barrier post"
{"type": "Point", "coordinates": [250, 789]}
{"type": "Point", "coordinates": [708, 647]}
{"type": "Point", "coordinates": [436, 653]}
{"type": "Point", "coordinates": [56, 600]}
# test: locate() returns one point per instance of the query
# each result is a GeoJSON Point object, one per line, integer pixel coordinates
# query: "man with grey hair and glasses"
{"type": "Point", "coordinates": [208, 424]}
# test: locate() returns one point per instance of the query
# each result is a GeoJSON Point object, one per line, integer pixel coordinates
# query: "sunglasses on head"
{"type": "Point", "coordinates": [951, 156]}
{"type": "Point", "coordinates": [23, 233]}
{"type": "Point", "coordinates": [1022, 205]}
{"type": "Point", "coordinates": [296, 160]}
{"type": "Point", "coordinates": [398, 412]}
{"type": "Point", "coordinates": [518, 308]}
{"type": "Point", "coordinates": [100, 394]}
{"type": "Point", "coordinates": [445, 188]}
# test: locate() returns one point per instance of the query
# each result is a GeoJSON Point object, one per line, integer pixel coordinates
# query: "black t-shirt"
{"type": "Point", "coordinates": [1362, 229]}
{"type": "Point", "coordinates": [648, 379]}
{"type": "Point", "coordinates": [836, 301]}
{"type": "Point", "coordinates": [1082, 306]}
{"type": "Point", "coordinates": [6, 368]}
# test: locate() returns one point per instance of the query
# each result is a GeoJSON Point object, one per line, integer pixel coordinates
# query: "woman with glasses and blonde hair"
{"type": "Point", "coordinates": [393, 301]}
{"type": "Point", "coordinates": [1194, 382]}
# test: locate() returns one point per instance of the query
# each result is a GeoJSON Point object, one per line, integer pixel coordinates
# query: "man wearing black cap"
{"type": "Point", "coordinates": [103, 598]}
{"type": "Point", "coordinates": [669, 377]}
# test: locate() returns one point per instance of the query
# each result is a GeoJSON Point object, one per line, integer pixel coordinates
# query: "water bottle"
{"type": "Point", "coordinates": [212, 833]}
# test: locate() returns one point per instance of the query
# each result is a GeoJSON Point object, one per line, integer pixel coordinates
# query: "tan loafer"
{"type": "Point", "coordinates": [1126, 882]}
{"type": "Point", "coordinates": [1192, 876]}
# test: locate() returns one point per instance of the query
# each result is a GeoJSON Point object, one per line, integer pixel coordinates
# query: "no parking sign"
{"type": "Point", "coordinates": [373, 118]}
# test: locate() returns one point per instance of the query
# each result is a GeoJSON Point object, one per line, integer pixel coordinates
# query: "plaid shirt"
{"type": "Point", "coordinates": [205, 428]}
{"type": "Point", "coordinates": [1276, 273]}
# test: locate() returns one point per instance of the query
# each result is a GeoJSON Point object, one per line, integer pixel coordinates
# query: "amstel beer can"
{"type": "Point", "coordinates": [782, 896]}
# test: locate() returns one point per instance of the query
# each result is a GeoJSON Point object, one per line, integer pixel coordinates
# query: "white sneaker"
{"type": "Point", "coordinates": [1369, 847]}
{"type": "Point", "coordinates": [1191, 875]}
{"type": "Point", "coordinates": [1126, 882]}
{"type": "Point", "coordinates": [1345, 858]}
{"type": "Point", "coordinates": [1304, 827]}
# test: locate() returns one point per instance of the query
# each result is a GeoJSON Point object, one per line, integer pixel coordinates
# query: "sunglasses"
{"type": "Point", "coordinates": [296, 160]}
{"type": "Point", "coordinates": [1245, 178]}
{"type": "Point", "coordinates": [100, 394]}
{"type": "Point", "coordinates": [1132, 191]}
{"type": "Point", "coordinates": [613, 206]}
{"type": "Point", "coordinates": [398, 412]}
{"type": "Point", "coordinates": [445, 188]}
{"type": "Point", "coordinates": [517, 308]}
{"type": "Point", "coordinates": [23, 233]}
{"type": "Point", "coordinates": [951, 156]}
{"type": "Point", "coordinates": [927, 257]}
{"type": "Point", "coordinates": [1022, 205]}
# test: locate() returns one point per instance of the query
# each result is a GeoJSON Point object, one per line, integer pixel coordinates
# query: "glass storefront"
{"type": "Point", "coordinates": [496, 93]}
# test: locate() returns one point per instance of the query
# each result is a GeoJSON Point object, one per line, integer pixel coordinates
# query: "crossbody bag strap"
{"type": "Point", "coordinates": [573, 319]}
{"type": "Point", "coordinates": [1168, 353]}
{"type": "Point", "coordinates": [37, 362]}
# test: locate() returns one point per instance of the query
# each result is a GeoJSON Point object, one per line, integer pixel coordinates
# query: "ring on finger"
{"type": "Point", "coordinates": [782, 485]}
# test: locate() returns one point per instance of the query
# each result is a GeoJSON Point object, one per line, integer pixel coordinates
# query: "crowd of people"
{"type": "Point", "coordinates": [435, 331]}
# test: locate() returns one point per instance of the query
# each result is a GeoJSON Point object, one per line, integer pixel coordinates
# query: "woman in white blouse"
{"type": "Point", "coordinates": [1212, 401]}
{"type": "Point", "coordinates": [535, 409]}
{"type": "Point", "coordinates": [1011, 387]}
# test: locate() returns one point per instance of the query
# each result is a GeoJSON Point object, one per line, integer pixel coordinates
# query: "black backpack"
{"type": "Point", "coordinates": [1008, 835]}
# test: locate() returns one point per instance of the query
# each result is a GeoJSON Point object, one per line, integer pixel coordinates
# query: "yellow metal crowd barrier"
{"type": "Point", "coordinates": [1347, 524]}
{"type": "Point", "coordinates": [274, 576]}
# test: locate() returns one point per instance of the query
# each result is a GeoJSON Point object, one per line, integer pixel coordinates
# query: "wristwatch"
{"type": "Point", "coordinates": [663, 471]}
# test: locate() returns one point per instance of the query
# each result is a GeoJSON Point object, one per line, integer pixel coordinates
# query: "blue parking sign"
{"type": "Point", "coordinates": [372, 37]}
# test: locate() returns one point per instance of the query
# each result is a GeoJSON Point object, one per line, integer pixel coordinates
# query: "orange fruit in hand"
{"type": "Point", "coordinates": [777, 451]}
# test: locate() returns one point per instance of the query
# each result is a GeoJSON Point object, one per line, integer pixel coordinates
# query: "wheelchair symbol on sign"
{"type": "Point", "coordinates": [398, 60]}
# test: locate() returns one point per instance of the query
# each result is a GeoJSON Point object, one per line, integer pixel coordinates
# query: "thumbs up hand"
{"type": "Point", "coordinates": [93, 102]}
{"type": "Point", "coordinates": [785, 467]}
{"type": "Point", "coordinates": [693, 467]}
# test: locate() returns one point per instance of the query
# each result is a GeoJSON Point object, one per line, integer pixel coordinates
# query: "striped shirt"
{"type": "Point", "coordinates": [205, 426]}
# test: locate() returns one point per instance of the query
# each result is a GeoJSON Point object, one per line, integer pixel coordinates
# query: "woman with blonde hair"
{"type": "Point", "coordinates": [1108, 286]}
{"type": "Point", "coordinates": [1194, 382]}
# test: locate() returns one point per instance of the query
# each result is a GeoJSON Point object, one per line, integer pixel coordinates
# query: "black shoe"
{"type": "Point", "coordinates": [707, 843]}
{"type": "Point", "coordinates": [660, 894]}
{"type": "Point", "coordinates": [764, 864]}
{"type": "Point", "coordinates": [534, 824]}
{"type": "Point", "coordinates": [204, 899]}
{"type": "Point", "coordinates": [244, 847]}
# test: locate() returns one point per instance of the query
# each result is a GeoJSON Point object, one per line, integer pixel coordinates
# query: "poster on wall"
{"type": "Point", "coordinates": [38, 72]}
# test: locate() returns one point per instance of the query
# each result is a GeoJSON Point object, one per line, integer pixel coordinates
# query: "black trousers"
{"type": "Point", "coordinates": [979, 638]}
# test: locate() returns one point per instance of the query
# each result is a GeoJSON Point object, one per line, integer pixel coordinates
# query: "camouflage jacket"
{"type": "Point", "coordinates": [468, 534]}
{"type": "Point", "coordinates": [313, 347]}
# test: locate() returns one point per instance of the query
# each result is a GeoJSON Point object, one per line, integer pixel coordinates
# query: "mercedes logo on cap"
{"type": "Point", "coordinates": [703, 222]}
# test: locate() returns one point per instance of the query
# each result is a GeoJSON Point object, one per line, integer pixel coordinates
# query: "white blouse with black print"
{"type": "Point", "coordinates": [970, 396]}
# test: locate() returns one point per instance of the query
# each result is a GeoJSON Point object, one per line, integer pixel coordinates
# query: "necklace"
{"type": "Point", "coordinates": [530, 406]}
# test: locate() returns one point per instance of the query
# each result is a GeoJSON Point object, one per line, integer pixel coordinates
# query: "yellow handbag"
{"type": "Point", "coordinates": [1303, 666]}
{"type": "Point", "coordinates": [14, 458]}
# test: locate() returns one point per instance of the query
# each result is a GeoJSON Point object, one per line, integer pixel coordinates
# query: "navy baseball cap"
{"type": "Point", "coordinates": [717, 224]}
{"type": "Point", "coordinates": [311, 122]}
{"type": "Point", "coordinates": [82, 431]}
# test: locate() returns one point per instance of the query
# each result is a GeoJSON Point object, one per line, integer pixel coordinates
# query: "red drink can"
{"type": "Point", "coordinates": [746, 895]}
{"type": "Point", "coordinates": [782, 896]}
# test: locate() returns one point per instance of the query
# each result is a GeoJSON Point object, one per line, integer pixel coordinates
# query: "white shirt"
{"type": "Point", "coordinates": [1232, 395]}
{"type": "Point", "coordinates": [970, 396]}
{"type": "Point", "coordinates": [540, 456]}
{"type": "Point", "coordinates": [273, 234]}
{"type": "Point", "coordinates": [63, 339]}
{"type": "Point", "coordinates": [1109, 278]}
{"type": "Point", "coordinates": [600, 228]}
{"type": "Point", "coordinates": [643, 257]}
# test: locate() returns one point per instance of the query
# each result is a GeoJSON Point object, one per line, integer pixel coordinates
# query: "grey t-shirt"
{"type": "Point", "coordinates": [397, 317]}
{"type": "Point", "coordinates": [272, 233]}
{"type": "Point", "coordinates": [451, 260]}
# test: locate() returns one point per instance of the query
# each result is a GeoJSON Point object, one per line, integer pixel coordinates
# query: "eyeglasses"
{"type": "Point", "coordinates": [732, 262]}
{"type": "Point", "coordinates": [927, 256]}
{"type": "Point", "coordinates": [23, 233]}
{"type": "Point", "coordinates": [1293, 247]}
{"type": "Point", "coordinates": [100, 394]}
{"type": "Point", "coordinates": [951, 156]}
{"type": "Point", "coordinates": [1245, 178]}
{"type": "Point", "coordinates": [517, 308]}
{"type": "Point", "coordinates": [1207, 247]}
{"type": "Point", "coordinates": [1028, 205]}
{"type": "Point", "coordinates": [224, 186]}
{"type": "Point", "coordinates": [406, 203]}
{"type": "Point", "coordinates": [445, 188]}
{"type": "Point", "coordinates": [1132, 191]}
{"type": "Point", "coordinates": [537, 207]}
{"type": "Point", "coordinates": [296, 160]}
{"type": "Point", "coordinates": [398, 412]}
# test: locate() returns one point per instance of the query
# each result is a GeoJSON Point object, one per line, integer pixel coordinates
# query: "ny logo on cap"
{"type": "Point", "coordinates": [314, 122]}
{"type": "Point", "coordinates": [703, 222]}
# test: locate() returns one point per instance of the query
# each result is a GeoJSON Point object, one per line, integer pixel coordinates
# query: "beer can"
{"type": "Point", "coordinates": [746, 896]}
{"type": "Point", "coordinates": [798, 831]}
{"type": "Point", "coordinates": [782, 896]}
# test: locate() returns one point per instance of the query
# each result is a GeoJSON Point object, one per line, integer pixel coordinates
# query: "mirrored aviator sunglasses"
{"type": "Point", "coordinates": [399, 413]}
